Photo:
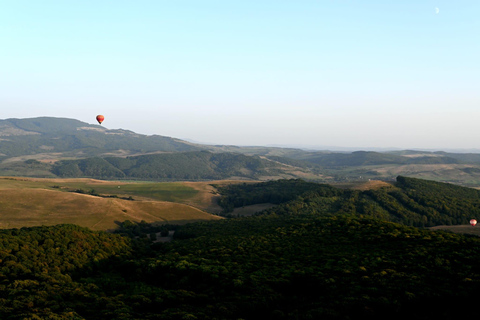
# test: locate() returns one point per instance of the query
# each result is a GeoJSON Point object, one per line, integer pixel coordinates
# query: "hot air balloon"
{"type": "Point", "coordinates": [100, 118]}
{"type": "Point", "coordinates": [473, 222]}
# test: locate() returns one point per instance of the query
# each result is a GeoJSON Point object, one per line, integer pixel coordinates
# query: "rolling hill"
{"type": "Point", "coordinates": [54, 138]}
{"type": "Point", "coordinates": [99, 205]}
{"type": "Point", "coordinates": [57, 147]}
{"type": "Point", "coordinates": [201, 165]}
{"type": "Point", "coordinates": [410, 201]}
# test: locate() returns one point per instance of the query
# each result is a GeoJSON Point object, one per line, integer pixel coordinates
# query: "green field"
{"type": "Point", "coordinates": [101, 205]}
{"type": "Point", "coordinates": [162, 191]}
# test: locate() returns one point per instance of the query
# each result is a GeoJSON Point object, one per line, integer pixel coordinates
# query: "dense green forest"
{"type": "Point", "coordinates": [276, 192]}
{"type": "Point", "coordinates": [197, 165]}
{"type": "Point", "coordinates": [322, 253]}
{"type": "Point", "coordinates": [265, 267]}
{"type": "Point", "coordinates": [409, 201]}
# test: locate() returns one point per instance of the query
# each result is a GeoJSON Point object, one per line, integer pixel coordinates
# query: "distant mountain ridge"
{"type": "Point", "coordinates": [57, 147]}
{"type": "Point", "coordinates": [48, 140]}
{"type": "Point", "coordinates": [76, 139]}
{"type": "Point", "coordinates": [73, 138]}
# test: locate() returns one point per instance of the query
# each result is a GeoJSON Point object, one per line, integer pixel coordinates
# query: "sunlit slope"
{"type": "Point", "coordinates": [30, 203]}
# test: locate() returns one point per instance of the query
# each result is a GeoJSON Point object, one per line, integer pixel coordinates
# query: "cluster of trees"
{"type": "Point", "coordinates": [313, 267]}
{"type": "Point", "coordinates": [410, 201]}
{"type": "Point", "coordinates": [38, 267]}
{"type": "Point", "coordinates": [198, 165]}
{"type": "Point", "coordinates": [264, 267]}
{"type": "Point", "coordinates": [278, 191]}
{"type": "Point", "coordinates": [92, 192]}
{"type": "Point", "coordinates": [143, 229]}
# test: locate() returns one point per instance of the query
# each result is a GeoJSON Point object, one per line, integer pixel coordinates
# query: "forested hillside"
{"type": "Point", "coordinates": [276, 192]}
{"type": "Point", "coordinates": [410, 201]}
{"type": "Point", "coordinates": [74, 138]}
{"type": "Point", "coordinates": [176, 166]}
{"type": "Point", "coordinates": [298, 266]}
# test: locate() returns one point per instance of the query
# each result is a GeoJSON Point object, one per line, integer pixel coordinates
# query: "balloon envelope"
{"type": "Point", "coordinates": [100, 118]}
{"type": "Point", "coordinates": [473, 222]}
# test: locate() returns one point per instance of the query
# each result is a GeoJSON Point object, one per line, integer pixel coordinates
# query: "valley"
{"type": "Point", "coordinates": [109, 224]}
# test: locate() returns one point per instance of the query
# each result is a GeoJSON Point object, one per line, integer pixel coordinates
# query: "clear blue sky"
{"type": "Point", "coordinates": [350, 73]}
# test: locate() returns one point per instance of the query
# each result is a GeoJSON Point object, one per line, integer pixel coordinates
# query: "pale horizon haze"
{"type": "Point", "coordinates": [346, 73]}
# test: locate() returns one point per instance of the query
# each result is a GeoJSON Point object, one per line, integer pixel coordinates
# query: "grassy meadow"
{"type": "Point", "coordinates": [27, 202]}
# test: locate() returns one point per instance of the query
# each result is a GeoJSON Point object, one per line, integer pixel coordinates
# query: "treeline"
{"type": "Point", "coordinates": [299, 266]}
{"type": "Point", "coordinates": [201, 165]}
{"type": "Point", "coordinates": [276, 192]}
{"type": "Point", "coordinates": [38, 265]}
{"type": "Point", "coordinates": [143, 229]}
{"type": "Point", "coordinates": [92, 192]}
{"type": "Point", "coordinates": [411, 201]}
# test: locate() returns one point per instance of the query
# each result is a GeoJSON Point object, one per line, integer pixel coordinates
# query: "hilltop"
{"type": "Point", "coordinates": [47, 138]}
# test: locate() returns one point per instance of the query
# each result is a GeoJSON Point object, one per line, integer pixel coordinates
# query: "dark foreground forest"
{"type": "Point", "coordinates": [316, 256]}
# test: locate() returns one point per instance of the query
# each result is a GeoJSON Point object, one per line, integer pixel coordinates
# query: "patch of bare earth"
{"type": "Point", "coordinates": [464, 228]}
{"type": "Point", "coordinates": [372, 185]}
{"type": "Point", "coordinates": [362, 185]}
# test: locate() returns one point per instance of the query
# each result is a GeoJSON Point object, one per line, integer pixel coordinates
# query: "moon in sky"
{"type": "Point", "coordinates": [437, 10]}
